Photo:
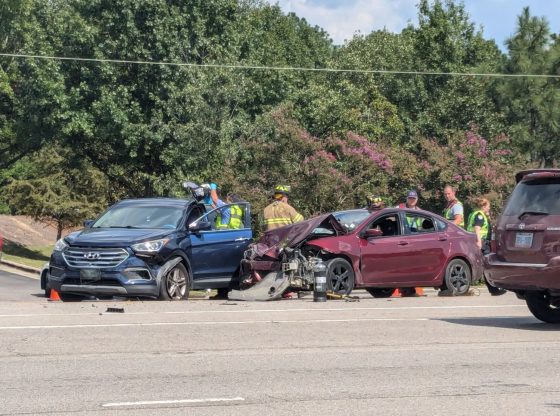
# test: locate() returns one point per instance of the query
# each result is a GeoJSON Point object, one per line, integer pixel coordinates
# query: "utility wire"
{"type": "Point", "coordinates": [277, 68]}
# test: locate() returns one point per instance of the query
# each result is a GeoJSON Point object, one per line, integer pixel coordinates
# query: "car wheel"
{"type": "Point", "coordinates": [540, 306]}
{"type": "Point", "coordinates": [45, 284]}
{"type": "Point", "coordinates": [176, 284]}
{"type": "Point", "coordinates": [458, 277]}
{"type": "Point", "coordinates": [407, 292]}
{"type": "Point", "coordinates": [380, 293]}
{"type": "Point", "coordinates": [340, 276]}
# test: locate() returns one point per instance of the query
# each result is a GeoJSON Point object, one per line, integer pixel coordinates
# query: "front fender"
{"type": "Point", "coordinates": [341, 247]}
{"type": "Point", "coordinates": [167, 266]}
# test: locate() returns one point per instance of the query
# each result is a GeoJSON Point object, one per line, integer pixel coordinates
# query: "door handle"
{"type": "Point", "coordinates": [403, 243]}
{"type": "Point", "coordinates": [443, 239]}
{"type": "Point", "coordinates": [241, 239]}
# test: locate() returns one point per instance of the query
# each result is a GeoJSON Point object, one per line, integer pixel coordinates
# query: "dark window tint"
{"type": "Point", "coordinates": [389, 225]}
{"type": "Point", "coordinates": [541, 195]}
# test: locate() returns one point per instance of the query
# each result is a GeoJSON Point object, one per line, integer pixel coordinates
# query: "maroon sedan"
{"type": "Point", "coordinates": [391, 248]}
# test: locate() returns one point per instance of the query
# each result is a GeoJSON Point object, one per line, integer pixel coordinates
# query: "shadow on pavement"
{"type": "Point", "coordinates": [513, 322]}
{"type": "Point", "coordinates": [20, 250]}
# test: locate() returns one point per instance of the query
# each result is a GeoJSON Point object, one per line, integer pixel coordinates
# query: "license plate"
{"type": "Point", "coordinates": [90, 274]}
{"type": "Point", "coordinates": [524, 240]}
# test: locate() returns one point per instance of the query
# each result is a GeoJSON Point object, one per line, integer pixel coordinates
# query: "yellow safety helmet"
{"type": "Point", "coordinates": [375, 202]}
{"type": "Point", "coordinates": [282, 189]}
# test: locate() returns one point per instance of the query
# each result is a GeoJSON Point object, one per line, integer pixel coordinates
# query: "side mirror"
{"type": "Point", "coordinates": [88, 223]}
{"type": "Point", "coordinates": [373, 232]}
{"type": "Point", "coordinates": [200, 226]}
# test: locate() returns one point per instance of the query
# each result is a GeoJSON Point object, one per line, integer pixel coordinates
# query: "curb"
{"type": "Point", "coordinates": [21, 266]}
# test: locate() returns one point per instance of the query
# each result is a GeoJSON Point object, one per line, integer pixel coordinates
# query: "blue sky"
{"type": "Point", "coordinates": [343, 18]}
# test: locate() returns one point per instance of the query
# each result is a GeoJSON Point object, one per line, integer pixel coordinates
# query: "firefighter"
{"type": "Point", "coordinates": [374, 203]}
{"type": "Point", "coordinates": [279, 213]}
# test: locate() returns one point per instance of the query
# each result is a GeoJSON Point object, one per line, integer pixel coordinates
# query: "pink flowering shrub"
{"type": "Point", "coordinates": [473, 164]}
{"type": "Point", "coordinates": [336, 172]}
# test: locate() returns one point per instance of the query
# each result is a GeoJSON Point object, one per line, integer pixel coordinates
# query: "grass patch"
{"type": "Point", "coordinates": [35, 256]}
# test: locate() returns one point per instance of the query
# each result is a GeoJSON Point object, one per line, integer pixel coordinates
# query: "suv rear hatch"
{"type": "Point", "coordinates": [529, 228]}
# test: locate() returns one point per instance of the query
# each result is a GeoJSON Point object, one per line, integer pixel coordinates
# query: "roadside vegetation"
{"type": "Point", "coordinates": [34, 256]}
{"type": "Point", "coordinates": [76, 136]}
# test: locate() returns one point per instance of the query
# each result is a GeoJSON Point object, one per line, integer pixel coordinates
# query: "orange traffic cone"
{"type": "Point", "coordinates": [396, 294]}
{"type": "Point", "coordinates": [419, 291]}
{"type": "Point", "coordinates": [54, 295]}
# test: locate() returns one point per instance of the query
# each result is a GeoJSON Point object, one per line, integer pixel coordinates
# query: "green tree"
{"type": "Point", "coordinates": [56, 189]}
{"type": "Point", "coordinates": [31, 92]}
{"type": "Point", "coordinates": [532, 105]}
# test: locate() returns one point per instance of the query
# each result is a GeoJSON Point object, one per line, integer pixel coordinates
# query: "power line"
{"type": "Point", "coordinates": [276, 68]}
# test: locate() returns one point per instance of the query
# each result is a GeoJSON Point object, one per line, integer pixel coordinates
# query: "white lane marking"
{"type": "Point", "coordinates": [156, 402]}
{"type": "Point", "coordinates": [274, 321]}
{"type": "Point", "coordinates": [229, 311]}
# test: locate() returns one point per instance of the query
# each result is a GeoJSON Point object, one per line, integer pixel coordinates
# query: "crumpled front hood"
{"type": "Point", "coordinates": [113, 237]}
{"type": "Point", "coordinates": [271, 243]}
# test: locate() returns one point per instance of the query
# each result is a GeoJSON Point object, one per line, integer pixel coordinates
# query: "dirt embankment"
{"type": "Point", "coordinates": [25, 231]}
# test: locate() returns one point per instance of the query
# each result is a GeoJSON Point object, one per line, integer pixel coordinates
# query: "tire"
{"type": "Point", "coordinates": [176, 284]}
{"type": "Point", "coordinates": [340, 276]}
{"type": "Point", "coordinates": [45, 284]}
{"type": "Point", "coordinates": [539, 305]}
{"type": "Point", "coordinates": [380, 293]}
{"type": "Point", "coordinates": [408, 292]}
{"type": "Point", "coordinates": [458, 277]}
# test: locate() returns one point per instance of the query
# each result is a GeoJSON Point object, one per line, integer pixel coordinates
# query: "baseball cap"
{"type": "Point", "coordinates": [412, 194]}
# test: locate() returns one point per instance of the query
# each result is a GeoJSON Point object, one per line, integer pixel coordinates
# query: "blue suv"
{"type": "Point", "coordinates": [160, 247]}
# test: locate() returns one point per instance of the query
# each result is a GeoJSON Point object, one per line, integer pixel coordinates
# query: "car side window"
{"type": "Point", "coordinates": [419, 224]}
{"type": "Point", "coordinates": [441, 225]}
{"type": "Point", "coordinates": [388, 224]}
{"type": "Point", "coordinates": [195, 213]}
{"type": "Point", "coordinates": [226, 218]}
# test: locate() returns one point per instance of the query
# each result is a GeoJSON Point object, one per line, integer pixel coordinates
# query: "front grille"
{"type": "Point", "coordinates": [94, 257]}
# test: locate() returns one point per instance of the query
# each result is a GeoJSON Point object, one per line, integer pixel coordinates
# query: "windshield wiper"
{"type": "Point", "coordinates": [532, 213]}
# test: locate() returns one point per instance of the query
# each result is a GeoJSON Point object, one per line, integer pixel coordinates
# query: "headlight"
{"type": "Point", "coordinates": [150, 246]}
{"type": "Point", "coordinates": [60, 245]}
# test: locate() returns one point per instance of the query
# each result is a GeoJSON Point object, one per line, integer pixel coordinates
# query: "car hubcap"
{"type": "Point", "coordinates": [459, 278]}
{"type": "Point", "coordinates": [339, 278]}
{"type": "Point", "coordinates": [176, 284]}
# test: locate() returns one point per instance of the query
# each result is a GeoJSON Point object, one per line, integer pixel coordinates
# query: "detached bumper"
{"type": "Point", "coordinates": [522, 276]}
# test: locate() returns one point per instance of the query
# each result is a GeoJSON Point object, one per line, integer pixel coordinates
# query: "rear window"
{"type": "Point", "coordinates": [542, 195]}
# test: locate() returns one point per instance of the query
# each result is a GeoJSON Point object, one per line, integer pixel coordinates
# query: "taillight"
{"type": "Point", "coordinates": [493, 242]}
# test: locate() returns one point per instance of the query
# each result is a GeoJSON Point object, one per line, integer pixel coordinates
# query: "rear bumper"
{"type": "Point", "coordinates": [521, 276]}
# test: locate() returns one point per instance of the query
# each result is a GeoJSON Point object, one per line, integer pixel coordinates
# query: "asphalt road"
{"type": "Point", "coordinates": [417, 356]}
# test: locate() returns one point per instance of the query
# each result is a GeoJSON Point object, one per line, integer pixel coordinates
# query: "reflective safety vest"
{"type": "Point", "coordinates": [485, 228]}
{"type": "Point", "coordinates": [219, 224]}
{"type": "Point", "coordinates": [279, 214]}
{"type": "Point", "coordinates": [235, 217]}
{"type": "Point", "coordinates": [447, 213]}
